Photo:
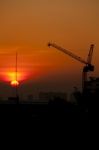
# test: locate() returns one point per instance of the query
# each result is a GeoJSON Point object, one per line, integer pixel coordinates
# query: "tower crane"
{"type": "Point", "coordinates": [88, 66]}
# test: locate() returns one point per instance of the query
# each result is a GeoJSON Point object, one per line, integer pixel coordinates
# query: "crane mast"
{"type": "Point", "coordinates": [89, 59]}
{"type": "Point", "coordinates": [88, 66]}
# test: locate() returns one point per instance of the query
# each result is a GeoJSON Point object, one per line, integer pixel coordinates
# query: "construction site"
{"type": "Point", "coordinates": [90, 85]}
{"type": "Point", "coordinates": [56, 104]}
{"type": "Point", "coordinates": [49, 60]}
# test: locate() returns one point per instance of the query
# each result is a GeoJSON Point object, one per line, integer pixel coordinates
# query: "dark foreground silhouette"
{"type": "Point", "coordinates": [58, 109]}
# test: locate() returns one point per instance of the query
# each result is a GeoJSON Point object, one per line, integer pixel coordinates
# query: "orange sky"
{"type": "Point", "coordinates": [29, 25]}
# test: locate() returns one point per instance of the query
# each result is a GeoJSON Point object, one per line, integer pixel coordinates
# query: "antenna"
{"type": "Point", "coordinates": [16, 71]}
{"type": "Point", "coordinates": [16, 65]}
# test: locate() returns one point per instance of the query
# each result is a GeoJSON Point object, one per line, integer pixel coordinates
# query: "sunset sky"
{"type": "Point", "coordinates": [26, 26]}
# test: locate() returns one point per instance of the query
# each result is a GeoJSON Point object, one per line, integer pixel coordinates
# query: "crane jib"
{"type": "Point", "coordinates": [68, 53]}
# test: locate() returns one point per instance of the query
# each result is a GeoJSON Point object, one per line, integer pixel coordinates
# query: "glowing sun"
{"type": "Point", "coordinates": [14, 83]}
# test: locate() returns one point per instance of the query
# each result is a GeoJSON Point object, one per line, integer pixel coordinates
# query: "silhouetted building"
{"type": "Point", "coordinates": [30, 98]}
{"type": "Point", "coordinates": [47, 96]}
{"type": "Point", "coordinates": [72, 99]}
{"type": "Point", "coordinates": [92, 86]}
{"type": "Point", "coordinates": [91, 93]}
{"type": "Point", "coordinates": [13, 99]}
{"type": "Point", "coordinates": [1, 98]}
{"type": "Point", "coordinates": [75, 97]}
